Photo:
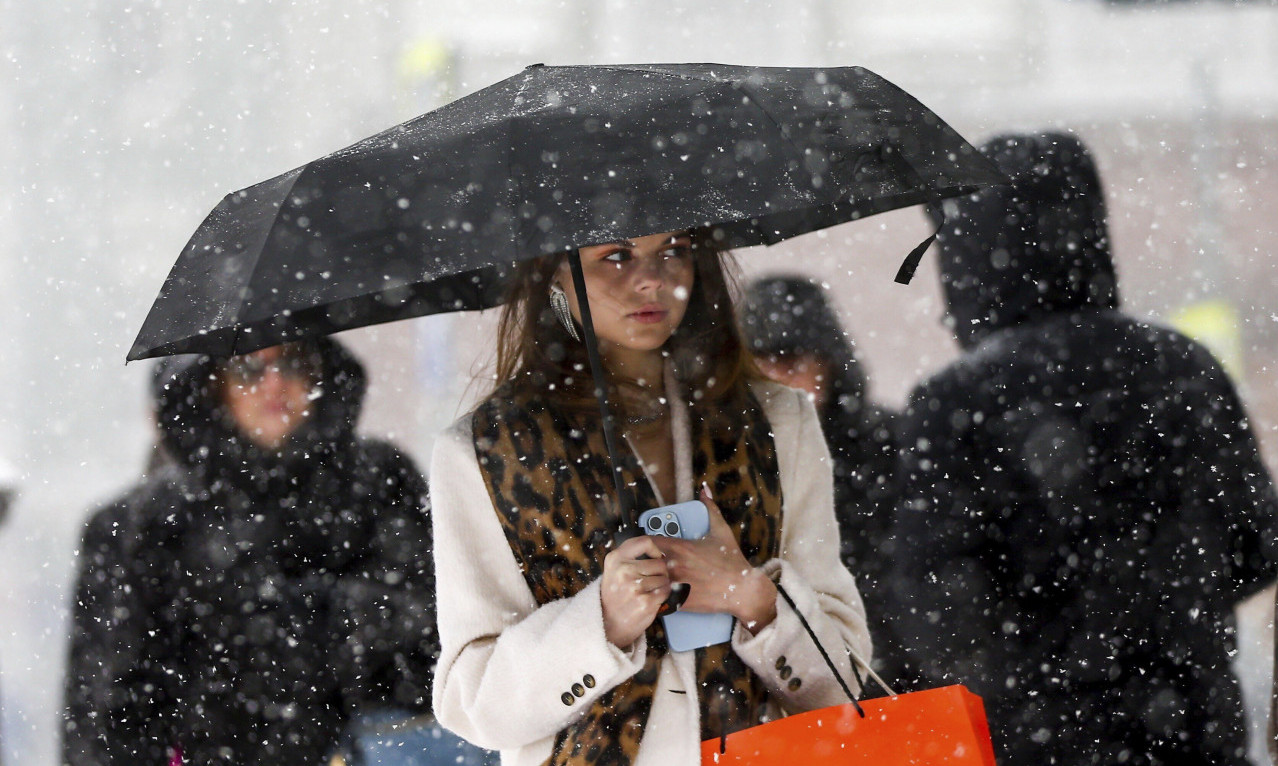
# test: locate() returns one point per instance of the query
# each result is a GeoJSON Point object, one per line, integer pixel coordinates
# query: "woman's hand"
{"type": "Point", "coordinates": [632, 589]}
{"type": "Point", "coordinates": [719, 576]}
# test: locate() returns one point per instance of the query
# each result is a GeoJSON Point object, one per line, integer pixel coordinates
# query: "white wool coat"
{"type": "Point", "coordinates": [506, 662]}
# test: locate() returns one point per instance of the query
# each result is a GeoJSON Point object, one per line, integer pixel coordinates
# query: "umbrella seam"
{"type": "Point", "coordinates": [517, 240]}
{"type": "Point", "coordinates": [633, 68]}
{"type": "Point", "coordinates": [675, 75]}
{"type": "Point", "coordinates": [749, 92]}
{"type": "Point", "coordinates": [239, 312]}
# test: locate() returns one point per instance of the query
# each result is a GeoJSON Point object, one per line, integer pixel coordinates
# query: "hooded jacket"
{"type": "Point", "coordinates": [789, 314]}
{"type": "Point", "coordinates": [1083, 498]}
{"type": "Point", "coordinates": [242, 602]}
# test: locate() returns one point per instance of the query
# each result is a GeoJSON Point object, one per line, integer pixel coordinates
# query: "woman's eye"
{"type": "Point", "coordinates": [617, 256]}
{"type": "Point", "coordinates": [676, 251]}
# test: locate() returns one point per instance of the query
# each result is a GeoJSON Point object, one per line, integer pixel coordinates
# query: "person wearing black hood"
{"type": "Point", "coordinates": [796, 339]}
{"type": "Point", "coordinates": [1083, 498]}
{"type": "Point", "coordinates": [272, 580]}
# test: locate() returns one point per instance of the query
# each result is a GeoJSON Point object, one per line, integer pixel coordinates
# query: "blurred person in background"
{"type": "Point", "coordinates": [1083, 501]}
{"type": "Point", "coordinates": [796, 339]}
{"type": "Point", "coordinates": [8, 496]}
{"type": "Point", "coordinates": [269, 590]}
{"type": "Point", "coordinates": [8, 488]}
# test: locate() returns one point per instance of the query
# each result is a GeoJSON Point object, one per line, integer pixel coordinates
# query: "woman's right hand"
{"type": "Point", "coordinates": [636, 582]}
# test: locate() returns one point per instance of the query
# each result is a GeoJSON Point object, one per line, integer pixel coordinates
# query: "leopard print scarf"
{"type": "Point", "coordinates": [549, 478]}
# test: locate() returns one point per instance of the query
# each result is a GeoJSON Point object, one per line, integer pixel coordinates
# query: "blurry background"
{"type": "Point", "coordinates": [124, 122]}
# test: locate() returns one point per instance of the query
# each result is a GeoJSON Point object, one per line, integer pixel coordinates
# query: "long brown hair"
{"type": "Point", "coordinates": [534, 349]}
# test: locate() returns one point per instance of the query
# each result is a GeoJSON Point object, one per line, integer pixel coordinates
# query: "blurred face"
{"type": "Point", "coordinates": [638, 290]}
{"type": "Point", "coordinates": [268, 393]}
{"type": "Point", "coordinates": [806, 372]}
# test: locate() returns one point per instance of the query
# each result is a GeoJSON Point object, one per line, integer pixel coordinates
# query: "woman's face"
{"type": "Point", "coordinates": [638, 289]}
{"type": "Point", "coordinates": [268, 393]}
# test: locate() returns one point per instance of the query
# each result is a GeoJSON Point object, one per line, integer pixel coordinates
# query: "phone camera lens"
{"type": "Point", "coordinates": [654, 523]}
{"type": "Point", "coordinates": [672, 529]}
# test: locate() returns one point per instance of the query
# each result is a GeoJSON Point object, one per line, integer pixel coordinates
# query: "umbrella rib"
{"type": "Point", "coordinates": [517, 238]}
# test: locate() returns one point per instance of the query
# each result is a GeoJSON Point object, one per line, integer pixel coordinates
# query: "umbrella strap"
{"type": "Point", "coordinates": [911, 262]}
{"type": "Point", "coordinates": [625, 502]}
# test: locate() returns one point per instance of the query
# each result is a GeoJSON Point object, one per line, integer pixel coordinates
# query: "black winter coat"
{"type": "Point", "coordinates": [241, 604]}
{"type": "Point", "coordinates": [1084, 500]}
{"type": "Point", "coordinates": [784, 314]}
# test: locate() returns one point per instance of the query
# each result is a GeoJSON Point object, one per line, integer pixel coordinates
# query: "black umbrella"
{"type": "Point", "coordinates": [429, 215]}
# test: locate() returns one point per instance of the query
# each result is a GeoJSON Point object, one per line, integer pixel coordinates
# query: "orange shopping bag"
{"type": "Point", "coordinates": [937, 726]}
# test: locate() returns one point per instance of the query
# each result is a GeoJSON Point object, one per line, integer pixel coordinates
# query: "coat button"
{"type": "Point", "coordinates": [589, 681]}
{"type": "Point", "coordinates": [780, 662]}
{"type": "Point", "coordinates": [785, 672]}
{"type": "Point", "coordinates": [567, 698]}
{"type": "Point", "coordinates": [794, 684]}
{"type": "Point", "coordinates": [579, 690]}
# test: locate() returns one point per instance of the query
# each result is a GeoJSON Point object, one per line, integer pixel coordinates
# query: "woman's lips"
{"type": "Point", "coordinates": [649, 314]}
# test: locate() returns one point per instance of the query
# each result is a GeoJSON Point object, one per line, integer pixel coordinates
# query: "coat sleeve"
{"type": "Point", "coordinates": [114, 699]}
{"type": "Point", "coordinates": [810, 571]}
{"type": "Point", "coordinates": [384, 612]}
{"type": "Point", "coordinates": [505, 662]}
{"type": "Point", "coordinates": [952, 616]}
{"type": "Point", "coordinates": [1226, 478]}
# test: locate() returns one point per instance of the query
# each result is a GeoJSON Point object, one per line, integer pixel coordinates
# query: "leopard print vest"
{"type": "Point", "coordinates": [548, 475]}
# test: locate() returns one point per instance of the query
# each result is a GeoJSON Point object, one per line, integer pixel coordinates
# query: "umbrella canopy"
{"type": "Point", "coordinates": [430, 215]}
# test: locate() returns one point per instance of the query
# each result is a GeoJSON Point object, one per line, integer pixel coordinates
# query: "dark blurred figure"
{"type": "Point", "coordinates": [1084, 501]}
{"type": "Point", "coordinates": [8, 497]}
{"type": "Point", "coordinates": [8, 488]}
{"type": "Point", "coordinates": [276, 578]}
{"type": "Point", "coordinates": [796, 339]}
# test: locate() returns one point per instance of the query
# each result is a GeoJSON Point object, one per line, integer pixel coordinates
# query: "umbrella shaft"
{"type": "Point", "coordinates": [624, 500]}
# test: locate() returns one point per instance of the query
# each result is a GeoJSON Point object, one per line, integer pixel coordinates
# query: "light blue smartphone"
{"type": "Point", "coordinates": [686, 631]}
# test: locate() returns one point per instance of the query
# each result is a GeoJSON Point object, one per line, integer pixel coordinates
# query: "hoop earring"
{"type": "Point", "coordinates": [559, 304]}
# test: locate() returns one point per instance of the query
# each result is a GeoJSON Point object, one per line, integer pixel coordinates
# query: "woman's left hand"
{"type": "Point", "coordinates": [719, 576]}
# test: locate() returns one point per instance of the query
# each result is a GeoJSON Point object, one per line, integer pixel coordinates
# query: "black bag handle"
{"type": "Point", "coordinates": [855, 660]}
{"type": "Point", "coordinates": [851, 655]}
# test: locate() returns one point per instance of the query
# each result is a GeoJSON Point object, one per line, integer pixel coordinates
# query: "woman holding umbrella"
{"type": "Point", "coordinates": [551, 651]}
